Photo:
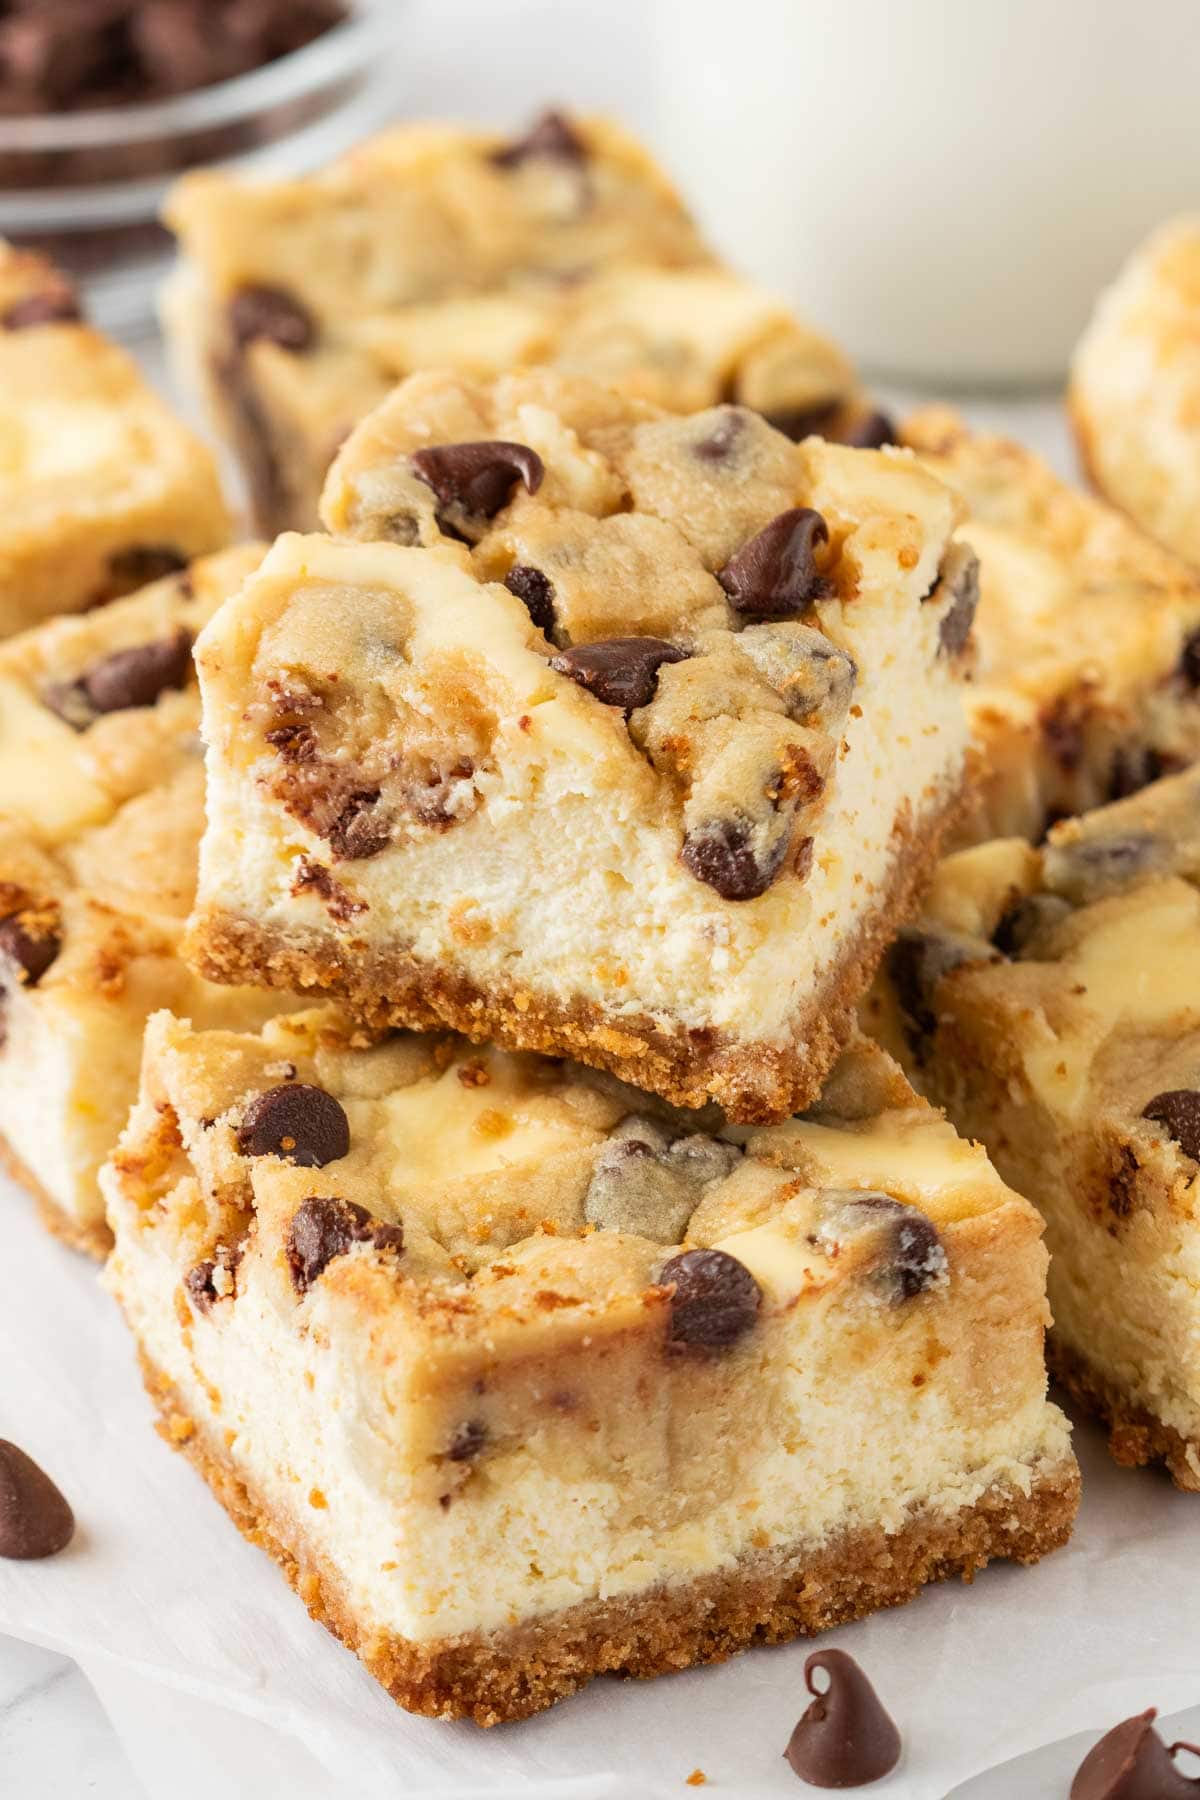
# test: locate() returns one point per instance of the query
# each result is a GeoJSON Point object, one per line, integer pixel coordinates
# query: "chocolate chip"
{"type": "Point", "coordinates": [910, 1257]}
{"type": "Point", "coordinates": [1063, 734]}
{"type": "Point", "coordinates": [29, 944]}
{"type": "Point", "coordinates": [775, 574]}
{"type": "Point", "coordinates": [552, 136]}
{"type": "Point", "coordinates": [1027, 923]}
{"type": "Point", "coordinates": [1189, 662]}
{"type": "Point", "coordinates": [324, 1228]}
{"type": "Point", "coordinates": [917, 962]}
{"type": "Point", "coordinates": [869, 431]}
{"type": "Point", "coordinates": [619, 671]}
{"type": "Point", "coordinates": [1134, 766]}
{"type": "Point", "coordinates": [199, 1285]}
{"type": "Point", "coordinates": [1131, 1762]}
{"type": "Point", "coordinates": [139, 564]}
{"type": "Point", "coordinates": [1178, 1109]}
{"type": "Point", "coordinates": [1089, 868]}
{"type": "Point", "coordinates": [799, 422]}
{"type": "Point", "coordinates": [57, 305]}
{"type": "Point", "coordinates": [35, 1519]}
{"type": "Point", "coordinates": [259, 311]}
{"type": "Point", "coordinates": [536, 593]}
{"type": "Point", "coordinates": [958, 589]}
{"type": "Point", "coordinates": [479, 478]}
{"type": "Point", "coordinates": [723, 856]}
{"type": "Point", "coordinates": [127, 678]}
{"type": "Point", "coordinates": [301, 1123]}
{"type": "Point", "coordinates": [357, 833]}
{"type": "Point", "coordinates": [721, 443]}
{"type": "Point", "coordinates": [845, 1738]}
{"type": "Point", "coordinates": [716, 1299]}
{"type": "Point", "coordinates": [468, 1441]}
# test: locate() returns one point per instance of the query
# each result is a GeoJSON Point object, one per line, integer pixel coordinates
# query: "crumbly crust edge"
{"type": "Point", "coordinates": [1135, 1436]}
{"type": "Point", "coordinates": [756, 1083]}
{"type": "Point", "coordinates": [767, 1598]}
{"type": "Point", "coordinates": [95, 1240]}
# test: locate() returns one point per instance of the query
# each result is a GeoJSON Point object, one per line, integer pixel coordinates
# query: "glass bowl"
{"type": "Point", "coordinates": [87, 187]}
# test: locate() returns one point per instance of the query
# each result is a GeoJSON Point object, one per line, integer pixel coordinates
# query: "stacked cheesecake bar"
{"type": "Point", "coordinates": [572, 1289]}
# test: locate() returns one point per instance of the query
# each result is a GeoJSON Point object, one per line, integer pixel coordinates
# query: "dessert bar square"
{"type": "Point", "coordinates": [1050, 1000]}
{"type": "Point", "coordinates": [299, 304]}
{"type": "Point", "coordinates": [1087, 684]}
{"type": "Point", "coordinates": [597, 731]}
{"type": "Point", "coordinates": [101, 810]}
{"type": "Point", "coordinates": [1134, 395]}
{"type": "Point", "coordinates": [523, 1377]}
{"type": "Point", "coordinates": [102, 488]}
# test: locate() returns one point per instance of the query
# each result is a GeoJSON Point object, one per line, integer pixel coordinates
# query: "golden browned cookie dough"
{"type": "Point", "coordinates": [524, 1376]}
{"type": "Point", "coordinates": [300, 303]}
{"type": "Point", "coordinates": [1134, 395]}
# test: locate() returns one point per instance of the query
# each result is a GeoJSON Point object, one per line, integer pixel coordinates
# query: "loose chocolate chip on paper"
{"type": "Point", "coordinates": [35, 1519]}
{"type": "Point", "coordinates": [535, 591]}
{"type": "Point", "coordinates": [1178, 1110]}
{"type": "Point", "coordinates": [845, 1738]}
{"type": "Point", "coordinates": [323, 1228]}
{"type": "Point", "coordinates": [619, 671]}
{"type": "Point", "coordinates": [1131, 1762]}
{"type": "Point", "coordinates": [716, 1299]}
{"type": "Point", "coordinates": [30, 946]}
{"type": "Point", "coordinates": [722, 855]}
{"type": "Point", "coordinates": [58, 305]}
{"type": "Point", "coordinates": [775, 575]}
{"type": "Point", "coordinates": [552, 135]}
{"type": "Point", "coordinates": [479, 477]}
{"type": "Point", "coordinates": [297, 1121]}
{"type": "Point", "coordinates": [259, 311]}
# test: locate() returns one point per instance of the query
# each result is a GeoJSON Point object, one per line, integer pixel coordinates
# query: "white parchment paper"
{"type": "Point", "coordinates": [158, 1583]}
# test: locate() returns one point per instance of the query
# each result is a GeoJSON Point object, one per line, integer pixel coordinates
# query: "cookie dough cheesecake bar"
{"type": "Point", "coordinates": [1087, 681]}
{"type": "Point", "coordinates": [299, 304]}
{"type": "Point", "coordinates": [523, 1377]}
{"type": "Point", "coordinates": [1134, 394]}
{"type": "Point", "coordinates": [1050, 1000]}
{"type": "Point", "coordinates": [101, 487]}
{"type": "Point", "coordinates": [101, 810]}
{"type": "Point", "coordinates": [597, 731]}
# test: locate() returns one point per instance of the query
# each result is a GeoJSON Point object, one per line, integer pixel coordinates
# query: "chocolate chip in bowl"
{"type": "Point", "coordinates": [104, 102]}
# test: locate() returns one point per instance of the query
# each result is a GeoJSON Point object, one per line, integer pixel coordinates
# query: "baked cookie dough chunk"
{"type": "Point", "coordinates": [101, 488]}
{"type": "Point", "coordinates": [1087, 683]}
{"type": "Point", "coordinates": [1050, 1000]}
{"type": "Point", "coordinates": [1134, 394]}
{"type": "Point", "coordinates": [630, 739]}
{"type": "Point", "coordinates": [300, 304]}
{"type": "Point", "coordinates": [101, 811]}
{"type": "Point", "coordinates": [523, 1377]}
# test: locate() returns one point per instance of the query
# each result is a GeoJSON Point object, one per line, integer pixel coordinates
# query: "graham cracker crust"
{"type": "Point", "coordinates": [1135, 1437]}
{"type": "Point", "coordinates": [755, 1083]}
{"type": "Point", "coordinates": [93, 1240]}
{"type": "Point", "coordinates": [768, 1598]}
